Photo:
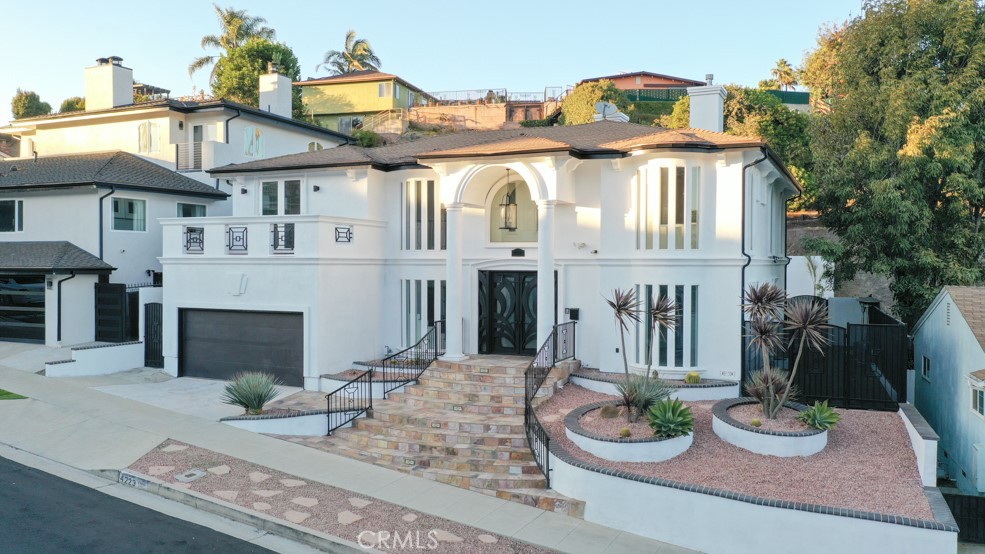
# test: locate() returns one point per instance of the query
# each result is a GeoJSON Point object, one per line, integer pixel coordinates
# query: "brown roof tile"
{"type": "Point", "coordinates": [970, 301]}
{"type": "Point", "coordinates": [518, 145]}
{"type": "Point", "coordinates": [978, 375]}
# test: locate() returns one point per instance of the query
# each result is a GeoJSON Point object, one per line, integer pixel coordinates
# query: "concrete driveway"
{"type": "Point", "coordinates": [30, 357]}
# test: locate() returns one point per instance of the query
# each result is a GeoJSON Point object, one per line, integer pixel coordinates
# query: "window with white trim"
{"type": "Point", "coordinates": [148, 138]}
{"type": "Point", "coordinates": [280, 197]}
{"type": "Point", "coordinates": [129, 214]}
{"type": "Point", "coordinates": [668, 201]}
{"type": "Point", "coordinates": [385, 90]}
{"type": "Point", "coordinates": [925, 368]}
{"type": "Point", "coordinates": [11, 216]}
{"type": "Point", "coordinates": [422, 216]}
{"type": "Point", "coordinates": [978, 400]}
{"type": "Point", "coordinates": [670, 348]}
{"type": "Point", "coordinates": [424, 302]}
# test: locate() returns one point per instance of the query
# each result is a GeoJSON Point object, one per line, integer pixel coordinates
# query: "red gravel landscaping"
{"type": "Point", "coordinates": [786, 420]}
{"type": "Point", "coordinates": [593, 422]}
{"type": "Point", "coordinates": [868, 464]}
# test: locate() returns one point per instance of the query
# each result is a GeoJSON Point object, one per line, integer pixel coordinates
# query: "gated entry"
{"type": "Point", "coordinates": [153, 335]}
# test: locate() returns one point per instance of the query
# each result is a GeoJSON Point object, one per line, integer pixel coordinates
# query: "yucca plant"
{"type": "Point", "coordinates": [625, 307]}
{"type": "Point", "coordinates": [640, 393]}
{"type": "Point", "coordinates": [251, 390]}
{"type": "Point", "coordinates": [663, 316]}
{"type": "Point", "coordinates": [767, 386]}
{"type": "Point", "coordinates": [670, 418]}
{"type": "Point", "coordinates": [820, 416]}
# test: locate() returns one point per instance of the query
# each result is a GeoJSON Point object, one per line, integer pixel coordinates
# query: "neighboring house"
{"type": "Point", "coordinates": [949, 362]}
{"type": "Point", "coordinates": [8, 147]}
{"type": "Point", "coordinates": [344, 102]}
{"type": "Point", "coordinates": [795, 100]}
{"type": "Point", "coordinates": [332, 256]}
{"type": "Point", "coordinates": [645, 86]}
{"type": "Point", "coordinates": [105, 205]}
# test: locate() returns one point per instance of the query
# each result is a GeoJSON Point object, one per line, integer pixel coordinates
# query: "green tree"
{"type": "Point", "coordinates": [769, 84]}
{"type": "Point", "coordinates": [579, 106]}
{"type": "Point", "coordinates": [784, 74]}
{"type": "Point", "coordinates": [73, 104]}
{"type": "Point", "coordinates": [357, 55]}
{"type": "Point", "coordinates": [237, 75]}
{"type": "Point", "coordinates": [900, 160]}
{"type": "Point", "coordinates": [27, 103]}
{"type": "Point", "coordinates": [237, 28]}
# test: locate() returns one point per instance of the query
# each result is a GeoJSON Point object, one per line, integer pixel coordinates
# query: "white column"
{"type": "Point", "coordinates": [453, 285]}
{"type": "Point", "coordinates": [545, 270]}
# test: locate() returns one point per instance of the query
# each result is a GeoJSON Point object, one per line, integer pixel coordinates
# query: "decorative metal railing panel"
{"type": "Point", "coordinates": [349, 401]}
{"type": "Point", "coordinates": [558, 347]}
{"type": "Point", "coordinates": [282, 238]}
{"type": "Point", "coordinates": [406, 366]}
{"type": "Point", "coordinates": [188, 156]}
{"type": "Point", "coordinates": [194, 240]}
{"type": "Point", "coordinates": [236, 240]}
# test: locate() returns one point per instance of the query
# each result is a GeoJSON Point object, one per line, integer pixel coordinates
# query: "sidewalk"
{"type": "Point", "coordinates": [92, 430]}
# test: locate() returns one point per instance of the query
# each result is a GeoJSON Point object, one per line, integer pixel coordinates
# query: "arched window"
{"type": "Point", "coordinates": [512, 214]}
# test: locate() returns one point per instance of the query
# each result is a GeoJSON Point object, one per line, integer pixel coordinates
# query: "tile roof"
{"type": "Point", "coordinates": [683, 80]}
{"type": "Point", "coordinates": [605, 138]}
{"type": "Point", "coordinates": [49, 256]}
{"type": "Point", "coordinates": [364, 76]}
{"type": "Point", "coordinates": [978, 375]}
{"type": "Point", "coordinates": [106, 168]}
{"type": "Point", "coordinates": [970, 301]}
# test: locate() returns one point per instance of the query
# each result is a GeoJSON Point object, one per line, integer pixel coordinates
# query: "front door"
{"type": "Point", "coordinates": [508, 312]}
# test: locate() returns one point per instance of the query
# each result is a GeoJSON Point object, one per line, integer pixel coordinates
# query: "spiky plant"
{"type": "Point", "coordinates": [639, 393]}
{"type": "Point", "coordinates": [663, 316]}
{"type": "Point", "coordinates": [251, 390]}
{"type": "Point", "coordinates": [807, 322]}
{"type": "Point", "coordinates": [670, 418]}
{"type": "Point", "coordinates": [764, 301]}
{"type": "Point", "coordinates": [625, 308]}
{"type": "Point", "coordinates": [768, 386]}
{"type": "Point", "coordinates": [820, 416]}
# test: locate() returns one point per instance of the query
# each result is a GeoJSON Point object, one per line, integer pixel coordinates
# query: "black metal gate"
{"type": "Point", "coordinates": [153, 335]}
{"type": "Point", "coordinates": [969, 514]}
{"type": "Point", "coordinates": [111, 312]}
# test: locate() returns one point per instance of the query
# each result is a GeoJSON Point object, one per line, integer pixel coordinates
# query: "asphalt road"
{"type": "Point", "coordinates": [41, 513]}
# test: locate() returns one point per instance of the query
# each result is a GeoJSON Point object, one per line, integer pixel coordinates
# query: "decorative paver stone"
{"type": "Point", "coordinates": [227, 495]}
{"type": "Point", "coordinates": [487, 539]}
{"type": "Point", "coordinates": [267, 494]}
{"type": "Point", "coordinates": [291, 483]}
{"type": "Point", "coordinates": [410, 518]}
{"type": "Point", "coordinates": [359, 502]}
{"type": "Point", "coordinates": [175, 447]}
{"type": "Point", "coordinates": [258, 477]}
{"type": "Point", "coordinates": [296, 517]}
{"type": "Point", "coordinates": [445, 536]}
{"type": "Point", "coordinates": [261, 506]}
{"type": "Point", "coordinates": [155, 471]}
{"type": "Point", "coordinates": [220, 470]}
{"type": "Point", "coordinates": [305, 501]}
{"type": "Point", "coordinates": [347, 517]}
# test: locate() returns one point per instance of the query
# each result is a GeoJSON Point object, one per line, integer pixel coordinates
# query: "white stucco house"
{"type": "Point", "coordinates": [333, 256]}
{"type": "Point", "coordinates": [949, 359]}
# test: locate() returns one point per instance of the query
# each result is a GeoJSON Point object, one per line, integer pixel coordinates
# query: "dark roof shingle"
{"type": "Point", "coordinates": [106, 168]}
{"type": "Point", "coordinates": [49, 256]}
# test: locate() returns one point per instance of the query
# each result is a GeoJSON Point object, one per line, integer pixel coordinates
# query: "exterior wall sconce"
{"type": "Point", "coordinates": [242, 190]}
{"type": "Point", "coordinates": [508, 208]}
{"type": "Point", "coordinates": [316, 188]}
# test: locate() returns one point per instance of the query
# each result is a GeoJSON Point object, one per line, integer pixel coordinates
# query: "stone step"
{"type": "Point", "coordinates": [440, 459]}
{"type": "Point", "coordinates": [480, 368]}
{"type": "Point", "coordinates": [397, 414]}
{"type": "Point", "coordinates": [440, 436]}
{"type": "Point", "coordinates": [475, 377]}
{"type": "Point", "coordinates": [481, 387]}
{"type": "Point", "coordinates": [422, 447]}
{"type": "Point", "coordinates": [492, 408]}
{"type": "Point", "coordinates": [464, 397]}
{"type": "Point", "coordinates": [545, 499]}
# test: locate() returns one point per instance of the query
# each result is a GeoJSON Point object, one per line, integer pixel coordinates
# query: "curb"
{"type": "Point", "coordinates": [284, 529]}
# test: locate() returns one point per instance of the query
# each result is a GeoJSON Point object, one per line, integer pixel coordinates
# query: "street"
{"type": "Point", "coordinates": [41, 513]}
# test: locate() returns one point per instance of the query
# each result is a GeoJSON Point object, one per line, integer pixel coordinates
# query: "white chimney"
{"type": "Point", "coordinates": [108, 84]}
{"type": "Point", "coordinates": [275, 92]}
{"type": "Point", "coordinates": [708, 106]}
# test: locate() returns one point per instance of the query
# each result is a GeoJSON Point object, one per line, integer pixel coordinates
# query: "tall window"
{"type": "Point", "coordinates": [978, 401]}
{"type": "Point", "coordinates": [423, 225]}
{"type": "Point", "coordinates": [385, 90]}
{"type": "Point", "coordinates": [280, 197]}
{"type": "Point", "coordinates": [253, 142]}
{"type": "Point", "coordinates": [672, 348]}
{"type": "Point", "coordinates": [423, 302]}
{"type": "Point", "coordinates": [147, 138]}
{"type": "Point", "coordinates": [667, 207]}
{"type": "Point", "coordinates": [11, 216]}
{"type": "Point", "coordinates": [191, 210]}
{"type": "Point", "coordinates": [925, 368]}
{"type": "Point", "coordinates": [129, 214]}
{"type": "Point", "coordinates": [349, 123]}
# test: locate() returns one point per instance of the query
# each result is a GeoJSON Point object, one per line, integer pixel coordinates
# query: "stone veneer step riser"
{"type": "Point", "coordinates": [451, 462]}
{"type": "Point", "coordinates": [440, 366]}
{"type": "Point", "coordinates": [400, 434]}
{"type": "Point", "coordinates": [438, 404]}
{"type": "Point", "coordinates": [463, 397]}
{"type": "Point", "coordinates": [472, 387]}
{"type": "Point", "coordinates": [410, 448]}
{"type": "Point", "coordinates": [465, 427]}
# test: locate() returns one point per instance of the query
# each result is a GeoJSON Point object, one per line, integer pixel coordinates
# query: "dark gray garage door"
{"type": "Point", "coordinates": [216, 344]}
{"type": "Point", "coordinates": [22, 307]}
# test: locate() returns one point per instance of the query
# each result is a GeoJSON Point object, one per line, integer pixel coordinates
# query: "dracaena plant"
{"type": "Point", "coordinates": [625, 307]}
{"type": "Point", "coordinates": [663, 316]}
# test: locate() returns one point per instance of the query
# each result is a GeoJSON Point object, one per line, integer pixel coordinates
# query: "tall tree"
{"type": "Point", "coordinates": [900, 157]}
{"type": "Point", "coordinates": [237, 27]}
{"type": "Point", "coordinates": [27, 103]}
{"type": "Point", "coordinates": [784, 74]}
{"type": "Point", "coordinates": [579, 106]}
{"type": "Point", "coordinates": [357, 55]}
{"type": "Point", "coordinates": [237, 75]}
{"type": "Point", "coordinates": [73, 104]}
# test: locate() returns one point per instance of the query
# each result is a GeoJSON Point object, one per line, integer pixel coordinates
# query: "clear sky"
{"type": "Point", "coordinates": [523, 46]}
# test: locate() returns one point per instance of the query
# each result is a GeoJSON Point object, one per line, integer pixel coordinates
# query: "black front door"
{"type": "Point", "coordinates": [508, 312]}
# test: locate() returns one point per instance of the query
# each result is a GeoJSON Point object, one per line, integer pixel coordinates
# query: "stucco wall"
{"type": "Point", "coordinates": [77, 311]}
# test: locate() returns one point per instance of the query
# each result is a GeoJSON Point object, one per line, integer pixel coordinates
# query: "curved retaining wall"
{"type": "Point", "coordinates": [761, 441]}
{"type": "Point", "coordinates": [312, 423]}
{"type": "Point", "coordinates": [712, 391]}
{"type": "Point", "coordinates": [640, 449]}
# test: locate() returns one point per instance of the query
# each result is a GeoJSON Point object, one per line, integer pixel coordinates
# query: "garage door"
{"type": "Point", "coordinates": [22, 307]}
{"type": "Point", "coordinates": [216, 344]}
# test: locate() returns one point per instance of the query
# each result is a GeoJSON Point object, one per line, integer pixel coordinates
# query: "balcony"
{"type": "Point", "coordinates": [188, 156]}
{"type": "Point", "coordinates": [305, 236]}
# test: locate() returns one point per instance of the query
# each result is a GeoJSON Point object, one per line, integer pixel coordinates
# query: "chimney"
{"type": "Point", "coordinates": [275, 92]}
{"type": "Point", "coordinates": [108, 84]}
{"type": "Point", "coordinates": [708, 106]}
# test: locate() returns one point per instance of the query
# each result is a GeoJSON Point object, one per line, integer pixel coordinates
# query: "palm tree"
{"type": "Point", "coordinates": [237, 28]}
{"type": "Point", "coordinates": [625, 307]}
{"type": "Point", "coordinates": [663, 316]}
{"type": "Point", "coordinates": [357, 55]}
{"type": "Point", "coordinates": [784, 74]}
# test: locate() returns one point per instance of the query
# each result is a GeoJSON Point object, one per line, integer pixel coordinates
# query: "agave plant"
{"type": "Point", "coordinates": [670, 418]}
{"type": "Point", "coordinates": [663, 316]}
{"type": "Point", "coordinates": [625, 307]}
{"type": "Point", "coordinates": [639, 393]}
{"type": "Point", "coordinates": [251, 390]}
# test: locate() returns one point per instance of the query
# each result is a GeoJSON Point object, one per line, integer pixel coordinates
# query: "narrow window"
{"type": "Point", "coordinates": [430, 214]}
{"type": "Point", "coordinates": [432, 300]}
{"type": "Point", "coordinates": [639, 329]}
{"type": "Point", "coordinates": [444, 228]}
{"type": "Point", "coordinates": [408, 200]}
{"type": "Point", "coordinates": [648, 321]}
{"type": "Point", "coordinates": [20, 215]}
{"type": "Point", "coordinates": [417, 215]}
{"type": "Point", "coordinates": [417, 310]}
{"type": "Point", "coordinates": [269, 198]}
{"type": "Point", "coordinates": [292, 197]}
{"type": "Point", "coordinates": [662, 358]}
{"type": "Point", "coordinates": [694, 325]}
{"type": "Point", "coordinates": [664, 208]}
{"type": "Point", "coordinates": [925, 368]}
{"type": "Point", "coordinates": [679, 326]}
{"type": "Point", "coordinates": [408, 310]}
{"type": "Point", "coordinates": [695, 204]}
{"type": "Point", "coordinates": [679, 210]}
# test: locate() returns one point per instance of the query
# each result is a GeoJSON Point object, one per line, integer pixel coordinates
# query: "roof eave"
{"type": "Point", "coordinates": [218, 194]}
{"type": "Point", "coordinates": [232, 170]}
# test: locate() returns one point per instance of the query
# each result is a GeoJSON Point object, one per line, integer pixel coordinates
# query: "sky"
{"type": "Point", "coordinates": [523, 46]}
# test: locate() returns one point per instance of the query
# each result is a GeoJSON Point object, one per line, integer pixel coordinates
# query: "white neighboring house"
{"type": "Point", "coordinates": [332, 256]}
{"type": "Point", "coordinates": [949, 359]}
{"type": "Point", "coordinates": [103, 205]}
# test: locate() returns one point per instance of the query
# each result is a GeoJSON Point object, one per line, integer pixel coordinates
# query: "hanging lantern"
{"type": "Point", "coordinates": [508, 207]}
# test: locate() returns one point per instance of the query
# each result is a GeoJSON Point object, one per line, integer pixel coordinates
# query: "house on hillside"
{"type": "Point", "coordinates": [949, 362]}
{"type": "Point", "coordinates": [652, 94]}
{"type": "Point", "coordinates": [344, 102]}
{"type": "Point", "coordinates": [502, 234]}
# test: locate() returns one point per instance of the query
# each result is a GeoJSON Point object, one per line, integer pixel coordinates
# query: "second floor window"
{"type": "Point", "coordinates": [253, 142]}
{"type": "Point", "coordinates": [147, 138]}
{"type": "Point", "coordinates": [280, 197]}
{"type": "Point", "coordinates": [385, 90]}
{"type": "Point", "coordinates": [11, 216]}
{"type": "Point", "coordinates": [191, 210]}
{"type": "Point", "coordinates": [423, 217]}
{"type": "Point", "coordinates": [668, 201]}
{"type": "Point", "coordinates": [129, 214]}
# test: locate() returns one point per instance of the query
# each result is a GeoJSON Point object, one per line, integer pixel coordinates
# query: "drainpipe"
{"type": "Point", "coordinates": [225, 126]}
{"type": "Point", "coordinates": [112, 189]}
{"type": "Point", "coordinates": [59, 338]}
{"type": "Point", "coordinates": [742, 291]}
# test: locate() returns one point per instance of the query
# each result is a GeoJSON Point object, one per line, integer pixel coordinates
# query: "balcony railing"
{"type": "Point", "coordinates": [282, 238]}
{"type": "Point", "coordinates": [194, 240]}
{"type": "Point", "coordinates": [655, 94]}
{"type": "Point", "coordinates": [188, 156]}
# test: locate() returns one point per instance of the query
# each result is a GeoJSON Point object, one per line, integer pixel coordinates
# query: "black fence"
{"type": "Point", "coordinates": [969, 513]}
{"type": "Point", "coordinates": [863, 366]}
{"type": "Point", "coordinates": [407, 365]}
{"type": "Point", "coordinates": [349, 401]}
{"type": "Point", "coordinates": [559, 346]}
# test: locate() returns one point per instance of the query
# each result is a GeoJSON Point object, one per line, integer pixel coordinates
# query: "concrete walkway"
{"type": "Point", "coordinates": [92, 430]}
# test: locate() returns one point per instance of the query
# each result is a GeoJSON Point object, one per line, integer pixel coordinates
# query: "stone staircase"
{"type": "Point", "coordinates": [462, 425]}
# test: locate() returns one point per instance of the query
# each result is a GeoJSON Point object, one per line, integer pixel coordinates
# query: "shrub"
{"type": "Point", "coordinates": [820, 416]}
{"type": "Point", "coordinates": [536, 123]}
{"type": "Point", "coordinates": [639, 394]}
{"type": "Point", "coordinates": [692, 378]}
{"type": "Point", "coordinates": [624, 432]}
{"type": "Point", "coordinates": [756, 422]}
{"type": "Point", "coordinates": [768, 386]}
{"type": "Point", "coordinates": [367, 138]}
{"type": "Point", "coordinates": [251, 390]}
{"type": "Point", "coordinates": [609, 412]}
{"type": "Point", "coordinates": [670, 418]}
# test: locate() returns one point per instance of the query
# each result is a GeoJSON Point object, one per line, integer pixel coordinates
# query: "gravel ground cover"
{"type": "Point", "coordinates": [868, 464]}
{"type": "Point", "coordinates": [786, 420]}
{"type": "Point", "coordinates": [609, 427]}
{"type": "Point", "coordinates": [318, 506]}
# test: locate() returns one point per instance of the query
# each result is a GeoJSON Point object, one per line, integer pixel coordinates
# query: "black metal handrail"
{"type": "Point", "coordinates": [349, 401]}
{"type": "Point", "coordinates": [558, 347]}
{"type": "Point", "coordinates": [407, 365]}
